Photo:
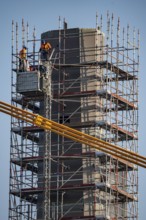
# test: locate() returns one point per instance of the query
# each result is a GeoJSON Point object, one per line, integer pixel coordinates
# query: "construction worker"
{"type": "Point", "coordinates": [22, 59]}
{"type": "Point", "coordinates": [45, 50]}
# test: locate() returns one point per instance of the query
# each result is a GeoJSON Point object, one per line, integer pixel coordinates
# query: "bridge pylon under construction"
{"type": "Point", "coordinates": [90, 84]}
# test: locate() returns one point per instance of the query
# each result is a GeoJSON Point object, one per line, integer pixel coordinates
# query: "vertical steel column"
{"type": "Point", "coordinates": [59, 179]}
{"type": "Point", "coordinates": [23, 33]}
{"type": "Point", "coordinates": [47, 153]}
{"type": "Point", "coordinates": [34, 40]}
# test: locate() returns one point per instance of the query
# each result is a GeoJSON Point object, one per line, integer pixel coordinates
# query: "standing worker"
{"type": "Point", "coordinates": [45, 50]}
{"type": "Point", "coordinates": [22, 59]}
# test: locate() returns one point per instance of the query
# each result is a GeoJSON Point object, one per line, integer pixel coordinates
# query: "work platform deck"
{"type": "Point", "coordinates": [125, 75]}
{"type": "Point", "coordinates": [119, 193]}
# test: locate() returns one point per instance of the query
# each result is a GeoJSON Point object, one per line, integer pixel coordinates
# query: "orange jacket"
{"type": "Point", "coordinates": [45, 46]}
{"type": "Point", "coordinates": [22, 53]}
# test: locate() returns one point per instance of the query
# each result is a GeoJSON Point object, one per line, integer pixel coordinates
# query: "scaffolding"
{"type": "Point", "coordinates": [90, 83]}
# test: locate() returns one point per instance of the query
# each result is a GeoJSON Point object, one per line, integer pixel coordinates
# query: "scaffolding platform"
{"type": "Point", "coordinates": [91, 217]}
{"type": "Point", "coordinates": [76, 94]}
{"type": "Point", "coordinates": [20, 131]}
{"type": "Point", "coordinates": [122, 165]}
{"type": "Point", "coordinates": [25, 165]}
{"type": "Point", "coordinates": [120, 194]}
{"type": "Point", "coordinates": [102, 64]}
{"type": "Point", "coordinates": [26, 103]}
{"type": "Point", "coordinates": [113, 97]}
{"type": "Point", "coordinates": [122, 133]}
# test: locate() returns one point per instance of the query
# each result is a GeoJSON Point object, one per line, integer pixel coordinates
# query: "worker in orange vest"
{"type": "Point", "coordinates": [45, 50]}
{"type": "Point", "coordinates": [22, 59]}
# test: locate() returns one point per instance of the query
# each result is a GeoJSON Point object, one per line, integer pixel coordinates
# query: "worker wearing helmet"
{"type": "Point", "coordinates": [23, 52]}
{"type": "Point", "coordinates": [22, 59]}
{"type": "Point", "coordinates": [45, 50]}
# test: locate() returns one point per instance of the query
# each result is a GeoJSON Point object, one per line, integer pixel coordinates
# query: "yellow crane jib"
{"type": "Point", "coordinates": [73, 134]}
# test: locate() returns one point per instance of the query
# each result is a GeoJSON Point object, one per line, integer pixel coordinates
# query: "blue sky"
{"type": "Point", "coordinates": [43, 14]}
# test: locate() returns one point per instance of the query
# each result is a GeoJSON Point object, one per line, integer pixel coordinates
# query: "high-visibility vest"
{"type": "Point", "coordinates": [46, 46]}
{"type": "Point", "coordinates": [22, 53]}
